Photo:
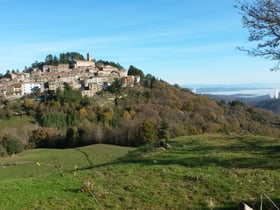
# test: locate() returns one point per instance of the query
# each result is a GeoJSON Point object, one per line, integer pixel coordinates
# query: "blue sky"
{"type": "Point", "coordinates": [180, 41]}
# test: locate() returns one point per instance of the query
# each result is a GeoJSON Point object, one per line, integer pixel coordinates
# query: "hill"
{"type": "Point", "coordinates": [188, 113]}
{"type": "Point", "coordinates": [271, 104]}
{"type": "Point", "coordinates": [197, 172]}
{"type": "Point", "coordinates": [133, 116]}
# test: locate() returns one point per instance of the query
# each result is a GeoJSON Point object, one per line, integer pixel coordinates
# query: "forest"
{"type": "Point", "coordinates": [148, 113]}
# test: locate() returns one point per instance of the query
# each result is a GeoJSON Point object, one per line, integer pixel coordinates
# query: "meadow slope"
{"type": "Point", "coordinates": [196, 172]}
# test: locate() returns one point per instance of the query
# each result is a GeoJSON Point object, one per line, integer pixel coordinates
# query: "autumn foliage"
{"type": "Point", "coordinates": [145, 114]}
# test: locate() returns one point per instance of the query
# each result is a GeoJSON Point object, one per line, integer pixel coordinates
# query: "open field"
{"type": "Point", "coordinates": [197, 172]}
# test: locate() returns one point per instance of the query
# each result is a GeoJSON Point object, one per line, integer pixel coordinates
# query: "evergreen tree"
{"type": "Point", "coordinates": [132, 70]}
{"type": "Point", "coordinates": [116, 86]}
{"type": "Point", "coordinates": [148, 132]}
{"type": "Point", "coordinates": [163, 132]}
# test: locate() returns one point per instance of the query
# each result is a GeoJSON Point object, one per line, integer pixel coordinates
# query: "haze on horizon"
{"type": "Point", "coordinates": [183, 42]}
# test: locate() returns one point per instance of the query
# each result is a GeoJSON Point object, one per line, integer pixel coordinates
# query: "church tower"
{"type": "Point", "coordinates": [89, 57]}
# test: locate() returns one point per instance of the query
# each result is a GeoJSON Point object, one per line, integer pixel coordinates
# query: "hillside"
{"type": "Point", "coordinates": [188, 113]}
{"type": "Point", "coordinates": [260, 102]}
{"type": "Point", "coordinates": [133, 116]}
{"type": "Point", "coordinates": [197, 172]}
{"type": "Point", "coordinates": [271, 104]}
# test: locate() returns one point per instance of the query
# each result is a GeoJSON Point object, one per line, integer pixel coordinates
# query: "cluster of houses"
{"type": "Point", "coordinates": [85, 75]}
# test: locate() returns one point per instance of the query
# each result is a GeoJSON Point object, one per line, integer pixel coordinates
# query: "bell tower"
{"type": "Point", "coordinates": [88, 56]}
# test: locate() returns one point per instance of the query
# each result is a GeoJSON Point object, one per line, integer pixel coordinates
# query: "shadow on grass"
{"type": "Point", "coordinates": [233, 145]}
{"type": "Point", "coordinates": [238, 154]}
{"type": "Point", "coordinates": [86, 156]}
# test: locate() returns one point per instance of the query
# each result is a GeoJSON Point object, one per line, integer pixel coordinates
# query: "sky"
{"type": "Point", "coordinates": [179, 41]}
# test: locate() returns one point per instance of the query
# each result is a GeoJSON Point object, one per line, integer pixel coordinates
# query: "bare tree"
{"type": "Point", "coordinates": [262, 19]}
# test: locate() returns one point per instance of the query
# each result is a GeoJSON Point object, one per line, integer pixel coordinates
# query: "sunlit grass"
{"type": "Point", "coordinates": [197, 172]}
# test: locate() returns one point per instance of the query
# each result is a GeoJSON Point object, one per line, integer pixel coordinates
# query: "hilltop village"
{"type": "Point", "coordinates": [85, 75]}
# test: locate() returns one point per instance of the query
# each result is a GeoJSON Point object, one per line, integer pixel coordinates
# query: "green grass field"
{"type": "Point", "coordinates": [197, 172]}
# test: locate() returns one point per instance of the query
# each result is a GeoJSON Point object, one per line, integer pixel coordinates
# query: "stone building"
{"type": "Point", "coordinates": [130, 80]}
{"type": "Point", "coordinates": [17, 89]}
{"type": "Point", "coordinates": [58, 68]}
{"type": "Point", "coordinates": [53, 85]}
{"type": "Point", "coordinates": [28, 88]}
{"type": "Point", "coordinates": [84, 63]}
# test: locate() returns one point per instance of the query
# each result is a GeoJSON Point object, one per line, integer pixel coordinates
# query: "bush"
{"type": "Point", "coordinates": [3, 151]}
{"type": "Point", "coordinates": [12, 145]}
{"type": "Point", "coordinates": [47, 138]}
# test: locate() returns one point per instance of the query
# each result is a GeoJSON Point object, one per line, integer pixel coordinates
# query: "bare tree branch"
{"type": "Point", "coordinates": [262, 19]}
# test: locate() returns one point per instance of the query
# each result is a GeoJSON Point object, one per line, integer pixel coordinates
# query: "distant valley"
{"type": "Point", "coordinates": [264, 96]}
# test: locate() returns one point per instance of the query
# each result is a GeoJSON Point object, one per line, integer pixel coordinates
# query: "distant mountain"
{"type": "Point", "coordinates": [258, 95]}
{"type": "Point", "coordinates": [239, 91]}
{"type": "Point", "coordinates": [246, 99]}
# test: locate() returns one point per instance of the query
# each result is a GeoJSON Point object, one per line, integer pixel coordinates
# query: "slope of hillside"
{"type": "Point", "coordinates": [270, 104]}
{"type": "Point", "coordinates": [134, 116]}
{"type": "Point", "coordinates": [188, 113]}
{"type": "Point", "coordinates": [197, 172]}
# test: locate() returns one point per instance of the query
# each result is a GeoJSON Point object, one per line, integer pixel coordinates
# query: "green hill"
{"type": "Point", "coordinates": [196, 172]}
{"type": "Point", "coordinates": [128, 116]}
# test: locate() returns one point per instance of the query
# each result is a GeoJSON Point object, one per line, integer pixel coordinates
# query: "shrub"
{"type": "Point", "coordinates": [12, 145]}
{"type": "Point", "coordinates": [47, 138]}
{"type": "Point", "coordinates": [3, 151]}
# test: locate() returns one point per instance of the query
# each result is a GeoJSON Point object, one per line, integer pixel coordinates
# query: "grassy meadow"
{"type": "Point", "coordinates": [196, 172]}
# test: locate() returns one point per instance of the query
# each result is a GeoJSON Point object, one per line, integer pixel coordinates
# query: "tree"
{"type": "Point", "coordinates": [63, 58]}
{"type": "Point", "coordinates": [55, 61]}
{"type": "Point", "coordinates": [3, 151]}
{"type": "Point", "coordinates": [163, 131]}
{"type": "Point", "coordinates": [37, 64]}
{"type": "Point", "coordinates": [69, 95]}
{"type": "Point", "coordinates": [49, 59]}
{"type": "Point", "coordinates": [115, 87]}
{"type": "Point", "coordinates": [148, 132]}
{"type": "Point", "coordinates": [149, 80]}
{"type": "Point", "coordinates": [111, 63]}
{"type": "Point", "coordinates": [108, 117]}
{"type": "Point", "coordinates": [132, 70]}
{"type": "Point", "coordinates": [262, 19]}
{"type": "Point", "coordinates": [28, 105]}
